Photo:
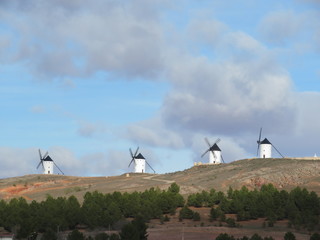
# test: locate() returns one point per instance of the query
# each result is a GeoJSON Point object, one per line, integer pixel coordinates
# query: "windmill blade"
{"type": "Point", "coordinates": [131, 162]}
{"type": "Point", "coordinates": [277, 150]}
{"type": "Point", "coordinates": [46, 155]}
{"type": "Point", "coordinates": [39, 164]}
{"type": "Point", "coordinates": [214, 155]}
{"type": "Point", "coordinates": [207, 141]}
{"type": "Point", "coordinates": [58, 168]}
{"type": "Point", "coordinates": [258, 149]}
{"type": "Point", "coordinates": [205, 152]}
{"type": "Point", "coordinates": [131, 153]}
{"type": "Point", "coordinates": [260, 135]}
{"type": "Point", "coordinates": [222, 159]}
{"type": "Point", "coordinates": [40, 154]}
{"type": "Point", "coordinates": [259, 141]}
{"type": "Point", "coordinates": [150, 167]}
{"type": "Point", "coordinates": [135, 154]}
{"type": "Point", "coordinates": [217, 141]}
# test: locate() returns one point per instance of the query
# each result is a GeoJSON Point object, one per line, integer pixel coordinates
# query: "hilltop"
{"type": "Point", "coordinates": [283, 173]}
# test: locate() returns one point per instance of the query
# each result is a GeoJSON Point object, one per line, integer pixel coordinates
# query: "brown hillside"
{"type": "Point", "coordinates": [283, 173]}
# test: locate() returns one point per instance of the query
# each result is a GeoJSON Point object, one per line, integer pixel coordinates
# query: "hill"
{"type": "Point", "coordinates": [284, 173]}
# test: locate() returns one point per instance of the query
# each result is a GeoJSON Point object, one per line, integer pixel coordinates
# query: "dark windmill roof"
{"type": "Point", "coordinates": [48, 158]}
{"type": "Point", "coordinates": [215, 148]}
{"type": "Point", "coordinates": [139, 156]}
{"type": "Point", "coordinates": [265, 141]}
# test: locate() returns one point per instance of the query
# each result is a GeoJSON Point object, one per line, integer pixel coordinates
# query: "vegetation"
{"type": "Point", "coordinates": [300, 207]}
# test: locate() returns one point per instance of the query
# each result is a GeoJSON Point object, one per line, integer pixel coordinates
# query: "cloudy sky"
{"type": "Point", "coordinates": [87, 81]}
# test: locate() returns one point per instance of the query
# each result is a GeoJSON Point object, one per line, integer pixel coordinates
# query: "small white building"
{"type": "Point", "coordinates": [265, 149]}
{"type": "Point", "coordinates": [139, 164]}
{"type": "Point", "coordinates": [215, 154]}
{"type": "Point", "coordinates": [47, 165]}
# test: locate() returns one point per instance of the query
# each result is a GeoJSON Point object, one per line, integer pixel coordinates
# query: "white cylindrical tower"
{"type": "Point", "coordinates": [215, 155]}
{"type": "Point", "coordinates": [47, 165]}
{"type": "Point", "coordinates": [140, 164]}
{"type": "Point", "coordinates": [265, 149]}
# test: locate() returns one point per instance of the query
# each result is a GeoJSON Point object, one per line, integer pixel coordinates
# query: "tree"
{"type": "Point", "coordinates": [256, 237]}
{"type": "Point", "coordinates": [186, 213]}
{"type": "Point", "coordinates": [102, 236]}
{"type": "Point", "coordinates": [76, 235]}
{"type": "Point", "coordinates": [174, 188]}
{"type": "Point", "coordinates": [315, 236]}
{"type": "Point", "coordinates": [49, 235]}
{"type": "Point", "coordinates": [136, 230]}
{"type": "Point", "coordinates": [114, 236]}
{"type": "Point", "coordinates": [289, 236]}
{"type": "Point", "coordinates": [224, 236]}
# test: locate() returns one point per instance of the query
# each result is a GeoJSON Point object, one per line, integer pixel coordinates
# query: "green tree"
{"type": "Point", "coordinates": [49, 234]}
{"type": "Point", "coordinates": [136, 230]}
{"type": "Point", "coordinates": [224, 236]}
{"type": "Point", "coordinates": [256, 237]}
{"type": "Point", "coordinates": [76, 235]}
{"type": "Point", "coordinates": [102, 236]}
{"type": "Point", "coordinates": [174, 188]}
{"type": "Point", "coordinates": [114, 236]}
{"type": "Point", "coordinates": [289, 236]}
{"type": "Point", "coordinates": [315, 236]}
{"type": "Point", "coordinates": [186, 213]}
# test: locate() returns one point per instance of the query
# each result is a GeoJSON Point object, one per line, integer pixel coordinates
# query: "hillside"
{"type": "Point", "coordinates": [284, 173]}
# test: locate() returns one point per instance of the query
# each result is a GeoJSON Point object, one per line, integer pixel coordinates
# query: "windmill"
{"type": "Point", "coordinates": [215, 156]}
{"type": "Point", "coordinates": [139, 162]}
{"type": "Point", "coordinates": [47, 163]}
{"type": "Point", "coordinates": [265, 147]}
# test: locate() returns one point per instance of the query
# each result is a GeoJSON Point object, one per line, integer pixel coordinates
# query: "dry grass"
{"type": "Point", "coordinates": [252, 173]}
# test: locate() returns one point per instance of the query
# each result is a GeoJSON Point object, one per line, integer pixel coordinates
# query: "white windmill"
{"type": "Point", "coordinates": [139, 162]}
{"type": "Point", "coordinates": [265, 147]}
{"type": "Point", "coordinates": [47, 164]}
{"type": "Point", "coordinates": [215, 156]}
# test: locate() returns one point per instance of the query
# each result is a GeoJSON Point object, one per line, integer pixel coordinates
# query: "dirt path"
{"type": "Point", "coordinates": [160, 180]}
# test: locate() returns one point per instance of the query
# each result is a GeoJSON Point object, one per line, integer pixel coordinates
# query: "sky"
{"type": "Point", "coordinates": [87, 81]}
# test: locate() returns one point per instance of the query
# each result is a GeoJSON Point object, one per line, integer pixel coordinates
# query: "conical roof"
{"type": "Point", "coordinates": [139, 156]}
{"type": "Point", "coordinates": [48, 158]}
{"type": "Point", "coordinates": [265, 141]}
{"type": "Point", "coordinates": [215, 148]}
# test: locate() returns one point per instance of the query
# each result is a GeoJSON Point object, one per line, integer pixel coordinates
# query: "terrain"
{"type": "Point", "coordinates": [283, 173]}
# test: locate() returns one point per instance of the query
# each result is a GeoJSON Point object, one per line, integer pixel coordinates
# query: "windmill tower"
{"type": "Point", "coordinates": [47, 164]}
{"type": "Point", "coordinates": [265, 147]}
{"type": "Point", "coordinates": [139, 162]}
{"type": "Point", "coordinates": [215, 156]}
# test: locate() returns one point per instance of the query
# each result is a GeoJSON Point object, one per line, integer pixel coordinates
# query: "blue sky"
{"type": "Point", "coordinates": [88, 82]}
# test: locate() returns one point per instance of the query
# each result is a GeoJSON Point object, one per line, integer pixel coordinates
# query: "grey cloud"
{"type": "Point", "coordinates": [281, 27]}
{"type": "Point", "coordinates": [222, 97]}
{"type": "Point", "coordinates": [110, 36]}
